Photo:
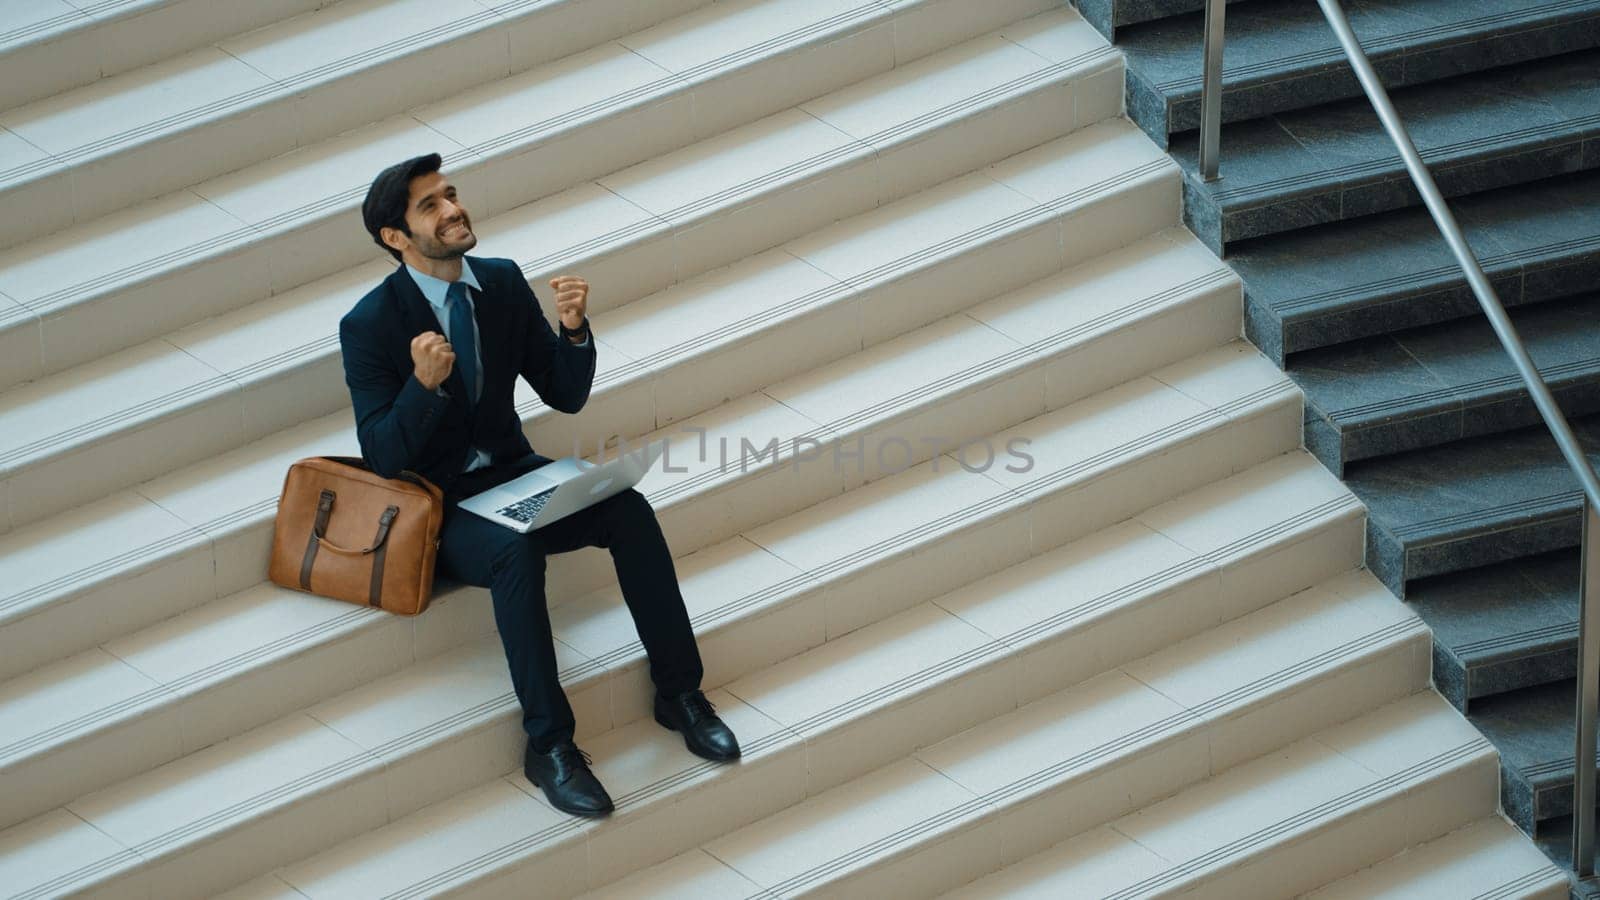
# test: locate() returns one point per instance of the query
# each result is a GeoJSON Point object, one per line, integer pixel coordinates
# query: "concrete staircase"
{"type": "Point", "coordinates": [1473, 516]}
{"type": "Point", "coordinates": [1007, 560]}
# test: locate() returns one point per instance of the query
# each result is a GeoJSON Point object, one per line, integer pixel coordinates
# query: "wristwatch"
{"type": "Point", "coordinates": [578, 336]}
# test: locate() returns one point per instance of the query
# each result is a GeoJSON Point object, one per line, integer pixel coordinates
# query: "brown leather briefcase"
{"type": "Point", "coordinates": [345, 532]}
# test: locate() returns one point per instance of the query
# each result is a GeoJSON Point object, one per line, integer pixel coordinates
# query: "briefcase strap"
{"type": "Point", "coordinates": [379, 548]}
{"type": "Point", "coordinates": [324, 510]}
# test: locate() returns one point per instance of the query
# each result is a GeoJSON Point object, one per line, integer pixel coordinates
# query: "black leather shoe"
{"type": "Point", "coordinates": [704, 733]}
{"type": "Point", "coordinates": [563, 773]}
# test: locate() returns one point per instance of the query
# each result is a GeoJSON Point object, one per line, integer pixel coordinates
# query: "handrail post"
{"type": "Point", "coordinates": [1588, 699]}
{"type": "Point", "coordinates": [1211, 91]}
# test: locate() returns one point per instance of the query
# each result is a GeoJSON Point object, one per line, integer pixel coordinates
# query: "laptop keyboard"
{"type": "Point", "coordinates": [525, 509]}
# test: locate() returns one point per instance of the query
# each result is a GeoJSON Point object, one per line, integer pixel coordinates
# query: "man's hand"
{"type": "Point", "coordinates": [432, 358]}
{"type": "Point", "coordinates": [572, 300]}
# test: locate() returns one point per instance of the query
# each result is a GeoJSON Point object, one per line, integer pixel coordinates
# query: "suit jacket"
{"type": "Point", "coordinates": [404, 426]}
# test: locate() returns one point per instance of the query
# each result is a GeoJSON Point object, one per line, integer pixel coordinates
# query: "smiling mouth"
{"type": "Point", "coordinates": [458, 226]}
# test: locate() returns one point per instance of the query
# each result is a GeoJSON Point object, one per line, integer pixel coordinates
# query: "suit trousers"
{"type": "Point", "coordinates": [512, 566]}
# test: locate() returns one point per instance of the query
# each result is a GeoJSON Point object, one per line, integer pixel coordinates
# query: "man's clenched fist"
{"type": "Point", "coordinates": [572, 300]}
{"type": "Point", "coordinates": [432, 358]}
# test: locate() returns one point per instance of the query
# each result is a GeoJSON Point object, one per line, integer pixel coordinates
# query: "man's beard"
{"type": "Point", "coordinates": [433, 247]}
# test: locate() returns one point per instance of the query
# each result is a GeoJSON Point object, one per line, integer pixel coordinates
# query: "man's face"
{"type": "Point", "coordinates": [440, 226]}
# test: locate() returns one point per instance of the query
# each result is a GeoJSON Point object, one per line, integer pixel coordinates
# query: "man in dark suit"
{"type": "Point", "coordinates": [431, 356]}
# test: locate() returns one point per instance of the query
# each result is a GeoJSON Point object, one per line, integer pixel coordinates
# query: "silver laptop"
{"type": "Point", "coordinates": [561, 488]}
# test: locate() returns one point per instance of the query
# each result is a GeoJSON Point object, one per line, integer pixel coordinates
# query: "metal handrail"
{"type": "Point", "coordinates": [1588, 693]}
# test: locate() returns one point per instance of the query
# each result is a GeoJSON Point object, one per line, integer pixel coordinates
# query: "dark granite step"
{"type": "Point", "coordinates": [1476, 132]}
{"type": "Point", "coordinates": [1532, 729]}
{"type": "Point", "coordinates": [1281, 54]}
{"type": "Point", "coordinates": [1347, 280]}
{"type": "Point", "coordinates": [1109, 15]}
{"type": "Point", "coordinates": [1475, 502]}
{"type": "Point", "coordinates": [1555, 839]}
{"type": "Point", "coordinates": [1503, 627]}
{"type": "Point", "coordinates": [1432, 385]}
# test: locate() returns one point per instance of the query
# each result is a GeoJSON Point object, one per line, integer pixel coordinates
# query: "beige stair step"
{"type": "Point", "coordinates": [214, 386]}
{"type": "Point", "coordinates": [896, 673]}
{"type": "Point", "coordinates": [242, 660]}
{"type": "Point", "coordinates": [452, 717]}
{"type": "Point", "coordinates": [1488, 858]}
{"type": "Point", "coordinates": [273, 226]}
{"type": "Point", "coordinates": [1071, 760]}
{"type": "Point", "coordinates": [50, 46]}
{"type": "Point", "coordinates": [1319, 807]}
{"type": "Point", "coordinates": [229, 380]}
{"type": "Point", "coordinates": [258, 93]}
{"type": "Point", "coordinates": [1157, 299]}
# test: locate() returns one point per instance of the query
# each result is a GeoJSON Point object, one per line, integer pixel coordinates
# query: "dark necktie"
{"type": "Point", "coordinates": [463, 332]}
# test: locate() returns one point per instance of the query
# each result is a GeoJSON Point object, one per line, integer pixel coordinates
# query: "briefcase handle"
{"type": "Point", "coordinates": [319, 530]}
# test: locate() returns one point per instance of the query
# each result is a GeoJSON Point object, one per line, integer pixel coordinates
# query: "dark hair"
{"type": "Point", "coordinates": [390, 194]}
